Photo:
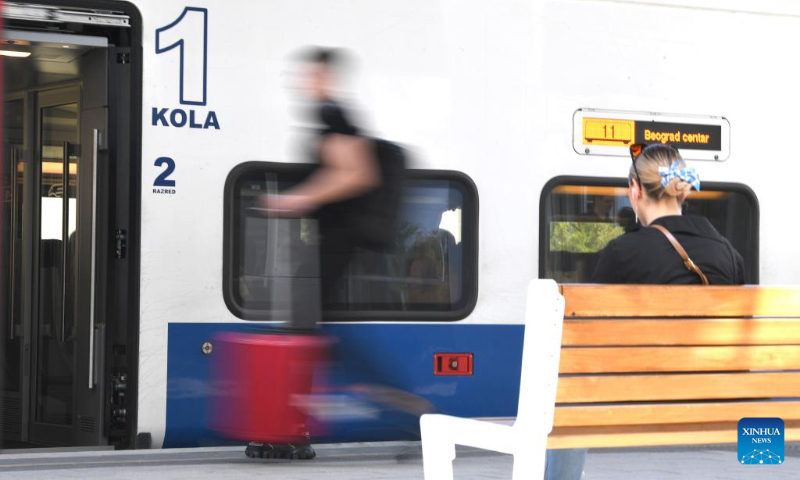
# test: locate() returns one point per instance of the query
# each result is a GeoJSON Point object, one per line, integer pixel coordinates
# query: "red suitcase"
{"type": "Point", "coordinates": [261, 383]}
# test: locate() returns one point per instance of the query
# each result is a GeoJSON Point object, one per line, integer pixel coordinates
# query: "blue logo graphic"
{"type": "Point", "coordinates": [761, 441]}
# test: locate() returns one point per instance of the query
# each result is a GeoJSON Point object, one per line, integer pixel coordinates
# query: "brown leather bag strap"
{"type": "Point", "coordinates": [686, 260]}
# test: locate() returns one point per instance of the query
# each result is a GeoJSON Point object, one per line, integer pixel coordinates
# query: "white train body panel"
{"type": "Point", "coordinates": [483, 87]}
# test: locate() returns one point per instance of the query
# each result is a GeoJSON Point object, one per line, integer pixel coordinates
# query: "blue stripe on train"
{"type": "Point", "coordinates": [398, 356]}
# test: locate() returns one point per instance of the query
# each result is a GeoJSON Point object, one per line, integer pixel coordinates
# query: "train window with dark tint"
{"type": "Point", "coordinates": [429, 274]}
{"type": "Point", "coordinates": [579, 216]}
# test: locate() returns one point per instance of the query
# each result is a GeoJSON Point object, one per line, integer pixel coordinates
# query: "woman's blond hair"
{"type": "Point", "coordinates": [645, 171]}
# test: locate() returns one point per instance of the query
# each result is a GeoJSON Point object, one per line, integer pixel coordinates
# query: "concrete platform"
{"type": "Point", "coordinates": [392, 460]}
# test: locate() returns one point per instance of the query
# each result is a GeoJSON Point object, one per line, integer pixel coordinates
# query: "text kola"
{"type": "Point", "coordinates": [180, 118]}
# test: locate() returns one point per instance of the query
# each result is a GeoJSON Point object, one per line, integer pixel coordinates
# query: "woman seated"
{"type": "Point", "coordinates": [659, 183]}
{"type": "Point", "coordinates": [664, 248]}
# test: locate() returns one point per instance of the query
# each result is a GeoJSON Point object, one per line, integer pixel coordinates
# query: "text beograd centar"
{"type": "Point", "coordinates": [676, 137]}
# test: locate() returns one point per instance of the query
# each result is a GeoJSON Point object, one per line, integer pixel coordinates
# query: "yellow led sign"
{"type": "Point", "coordinates": [623, 133]}
{"type": "Point", "coordinates": [612, 132]}
{"type": "Point", "coordinates": [607, 131]}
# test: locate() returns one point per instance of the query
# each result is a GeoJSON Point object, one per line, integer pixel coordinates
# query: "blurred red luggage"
{"type": "Point", "coordinates": [261, 380]}
{"type": "Point", "coordinates": [261, 383]}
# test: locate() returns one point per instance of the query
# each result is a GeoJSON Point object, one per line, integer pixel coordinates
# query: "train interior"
{"type": "Point", "coordinates": [66, 150]}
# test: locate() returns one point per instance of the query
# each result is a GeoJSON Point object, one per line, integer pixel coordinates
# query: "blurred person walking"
{"type": "Point", "coordinates": [355, 194]}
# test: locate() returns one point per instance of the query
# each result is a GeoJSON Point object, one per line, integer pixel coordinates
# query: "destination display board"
{"type": "Point", "coordinates": [597, 132]}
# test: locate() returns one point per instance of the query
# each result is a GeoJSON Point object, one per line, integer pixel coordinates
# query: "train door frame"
{"type": "Point", "coordinates": [117, 240]}
{"type": "Point", "coordinates": [18, 330]}
{"type": "Point", "coordinates": [41, 340]}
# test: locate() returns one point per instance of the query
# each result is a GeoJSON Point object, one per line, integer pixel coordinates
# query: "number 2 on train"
{"type": "Point", "coordinates": [189, 33]}
{"type": "Point", "coordinates": [163, 180]}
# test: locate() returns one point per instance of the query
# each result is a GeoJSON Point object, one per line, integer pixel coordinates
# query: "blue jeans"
{"type": "Point", "coordinates": [565, 464]}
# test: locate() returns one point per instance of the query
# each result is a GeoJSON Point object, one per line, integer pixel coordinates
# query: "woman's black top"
{"type": "Point", "coordinates": [645, 256]}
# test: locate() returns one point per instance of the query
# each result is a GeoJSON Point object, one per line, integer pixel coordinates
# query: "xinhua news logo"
{"type": "Point", "coordinates": [761, 441]}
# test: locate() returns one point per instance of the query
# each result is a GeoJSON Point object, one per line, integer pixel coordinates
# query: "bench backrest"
{"type": "Point", "coordinates": [673, 365]}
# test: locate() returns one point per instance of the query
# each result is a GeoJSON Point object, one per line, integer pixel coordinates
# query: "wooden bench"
{"type": "Point", "coordinates": [639, 366]}
{"type": "Point", "coordinates": [675, 365]}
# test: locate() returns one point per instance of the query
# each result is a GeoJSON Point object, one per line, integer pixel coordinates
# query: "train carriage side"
{"type": "Point", "coordinates": [484, 94]}
{"type": "Point", "coordinates": [499, 107]}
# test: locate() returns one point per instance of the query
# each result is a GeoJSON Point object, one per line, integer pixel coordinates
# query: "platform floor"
{"type": "Point", "coordinates": [393, 460]}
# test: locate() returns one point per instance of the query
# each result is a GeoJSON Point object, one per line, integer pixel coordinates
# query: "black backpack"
{"type": "Point", "coordinates": [375, 217]}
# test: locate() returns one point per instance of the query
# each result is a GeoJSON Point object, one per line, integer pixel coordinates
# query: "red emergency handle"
{"type": "Point", "coordinates": [452, 364]}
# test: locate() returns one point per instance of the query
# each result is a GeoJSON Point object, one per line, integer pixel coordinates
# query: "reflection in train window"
{"type": "Point", "coordinates": [579, 216]}
{"type": "Point", "coordinates": [429, 274]}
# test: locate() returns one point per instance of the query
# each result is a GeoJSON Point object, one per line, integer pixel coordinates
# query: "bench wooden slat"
{"type": "Point", "coordinates": [680, 301]}
{"type": "Point", "coordinates": [675, 365]}
{"type": "Point", "coordinates": [634, 436]}
{"type": "Point", "coordinates": [663, 387]}
{"type": "Point", "coordinates": [648, 414]}
{"type": "Point", "coordinates": [679, 359]}
{"type": "Point", "coordinates": [723, 331]}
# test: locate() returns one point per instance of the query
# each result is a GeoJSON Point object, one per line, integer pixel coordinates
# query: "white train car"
{"type": "Point", "coordinates": [158, 121]}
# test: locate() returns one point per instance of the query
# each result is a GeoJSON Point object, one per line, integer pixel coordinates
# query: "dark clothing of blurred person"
{"type": "Point", "coordinates": [337, 242]}
{"type": "Point", "coordinates": [347, 171]}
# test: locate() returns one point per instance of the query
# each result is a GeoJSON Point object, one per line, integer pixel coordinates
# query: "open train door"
{"type": "Point", "coordinates": [69, 314]}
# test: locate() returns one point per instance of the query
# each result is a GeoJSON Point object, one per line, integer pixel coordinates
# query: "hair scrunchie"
{"type": "Point", "coordinates": [687, 174]}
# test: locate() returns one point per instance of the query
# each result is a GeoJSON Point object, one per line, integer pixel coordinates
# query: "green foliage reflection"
{"type": "Point", "coordinates": [582, 237]}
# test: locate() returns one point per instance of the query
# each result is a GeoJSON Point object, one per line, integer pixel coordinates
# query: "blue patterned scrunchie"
{"type": "Point", "coordinates": [688, 174]}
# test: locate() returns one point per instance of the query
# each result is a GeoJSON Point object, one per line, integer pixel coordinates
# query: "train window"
{"type": "Point", "coordinates": [579, 216]}
{"type": "Point", "coordinates": [430, 274]}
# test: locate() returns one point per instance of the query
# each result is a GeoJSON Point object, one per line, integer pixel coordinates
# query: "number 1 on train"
{"type": "Point", "coordinates": [189, 33]}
